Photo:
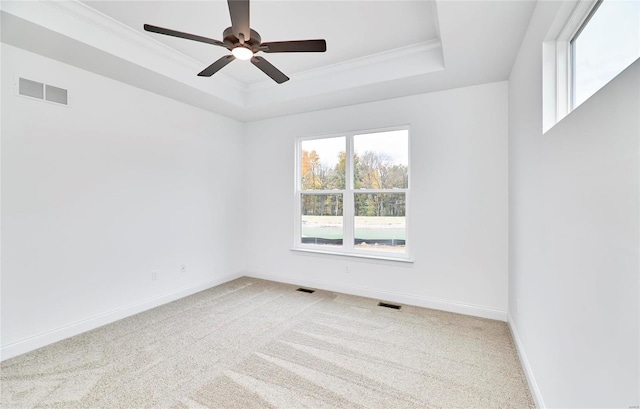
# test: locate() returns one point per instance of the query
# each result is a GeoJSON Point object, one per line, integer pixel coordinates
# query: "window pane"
{"type": "Point", "coordinates": [608, 43]}
{"type": "Point", "coordinates": [321, 219]}
{"type": "Point", "coordinates": [380, 222]}
{"type": "Point", "coordinates": [323, 163]}
{"type": "Point", "coordinates": [381, 160]}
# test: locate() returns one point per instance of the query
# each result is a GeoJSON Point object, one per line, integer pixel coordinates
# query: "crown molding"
{"type": "Point", "coordinates": [408, 61]}
{"type": "Point", "coordinates": [88, 14]}
{"type": "Point", "coordinates": [428, 49]}
{"type": "Point", "coordinates": [82, 23]}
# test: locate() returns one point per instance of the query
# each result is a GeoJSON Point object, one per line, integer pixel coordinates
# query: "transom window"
{"type": "Point", "coordinates": [589, 44]}
{"type": "Point", "coordinates": [606, 43]}
{"type": "Point", "coordinates": [352, 192]}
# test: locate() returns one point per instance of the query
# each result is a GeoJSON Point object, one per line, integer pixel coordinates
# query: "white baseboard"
{"type": "Point", "coordinates": [426, 302]}
{"type": "Point", "coordinates": [76, 328]}
{"type": "Point", "coordinates": [528, 372]}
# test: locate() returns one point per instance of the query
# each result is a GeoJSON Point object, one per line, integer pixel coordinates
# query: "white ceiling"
{"type": "Point", "coordinates": [376, 49]}
{"type": "Point", "coordinates": [352, 29]}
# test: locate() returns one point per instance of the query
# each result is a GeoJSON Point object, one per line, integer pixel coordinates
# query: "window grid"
{"type": "Point", "coordinates": [348, 200]}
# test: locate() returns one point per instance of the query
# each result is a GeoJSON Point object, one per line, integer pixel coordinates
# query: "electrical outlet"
{"type": "Point", "coordinates": [346, 269]}
{"type": "Point", "coordinates": [183, 268]}
{"type": "Point", "coordinates": [154, 275]}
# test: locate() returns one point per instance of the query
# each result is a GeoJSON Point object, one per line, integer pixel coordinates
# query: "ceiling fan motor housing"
{"type": "Point", "coordinates": [231, 41]}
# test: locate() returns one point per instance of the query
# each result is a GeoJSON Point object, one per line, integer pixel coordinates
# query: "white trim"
{"type": "Point", "coordinates": [84, 12]}
{"type": "Point", "coordinates": [348, 202]}
{"type": "Point", "coordinates": [390, 128]}
{"type": "Point", "coordinates": [375, 256]}
{"type": "Point", "coordinates": [77, 20]}
{"type": "Point", "coordinates": [581, 15]}
{"type": "Point", "coordinates": [79, 327]}
{"type": "Point", "coordinates": [556, 61]}
{"type": "Point", "coordinates": [528, 372]}
{"type": "Point", "coordinates": [574, 21]}
{"type": "Point", "coordinates": [427, 49]}
{"type": "Point", "coordinates": [401, 298]}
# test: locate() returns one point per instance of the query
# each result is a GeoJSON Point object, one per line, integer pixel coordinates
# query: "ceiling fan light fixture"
{"type": "Point", "coordinates": [244, 43]}
{"type": "Point", "coordinates": [242, 53]}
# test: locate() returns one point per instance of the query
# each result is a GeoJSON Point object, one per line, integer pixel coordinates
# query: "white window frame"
{"type": "Point", "coordinates": [557, 61]}
{"type": "Point", "coordinates": [348, 192]}
{"type": "Point", "coordinates": [572, 55]}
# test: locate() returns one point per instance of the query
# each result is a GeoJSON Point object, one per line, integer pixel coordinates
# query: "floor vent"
{"type": "Point", "coordinates": [306, 290]}
{"type": "Point", "coordinates": [392, 306]}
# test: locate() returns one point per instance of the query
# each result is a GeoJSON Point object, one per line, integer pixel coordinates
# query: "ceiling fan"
{"type": "Point", "coordinates": [244, 43]}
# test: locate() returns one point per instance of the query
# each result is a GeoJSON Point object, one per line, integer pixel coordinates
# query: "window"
{"type": "Point", "coordinates": [589, 43]}
{"type": "Point", "coordinates": [605, 44]}
{"type": "Point", "coordinates": [352, 192]}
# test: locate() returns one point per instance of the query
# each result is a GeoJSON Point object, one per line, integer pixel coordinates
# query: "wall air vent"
{"type": "Point", "coordinates": [306, 290]}
{"type": "Point", "coordinates": [386, 305]}
{"type": "Point", "coordinates": [31, 88]}
{"type": "Point", "coordinates": [45, 92]}
{"type": "Point", "coordinates": [55, 94]}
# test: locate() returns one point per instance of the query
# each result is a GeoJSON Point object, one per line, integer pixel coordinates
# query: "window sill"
{"type": "Point", "coordinates": [354, 255]}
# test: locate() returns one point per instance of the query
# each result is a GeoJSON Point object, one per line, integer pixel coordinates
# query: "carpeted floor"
{"type": "Point", "coordinates": [258, 344]}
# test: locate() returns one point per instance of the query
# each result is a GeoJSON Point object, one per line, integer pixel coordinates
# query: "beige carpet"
{"type": "Point", "coordinates": [258, 344]}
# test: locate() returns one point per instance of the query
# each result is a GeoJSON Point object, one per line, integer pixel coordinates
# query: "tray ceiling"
{"type": "Point", "coordinates": [375, 49]}
{"type": "Point", "coordinates": [353, 29]}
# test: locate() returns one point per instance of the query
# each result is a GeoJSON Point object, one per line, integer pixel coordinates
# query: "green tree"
{"type": "Point", "coordinates": [338, 177]}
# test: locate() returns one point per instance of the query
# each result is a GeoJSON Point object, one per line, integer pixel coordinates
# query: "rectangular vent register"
{"type": "Point", "coordinates": [45, 92]}
{"type": "Point", "coordinates": [306, 290]}
{"type": "Point", "coordinates": [387, 305]}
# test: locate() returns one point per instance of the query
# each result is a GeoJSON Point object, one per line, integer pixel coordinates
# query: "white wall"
{"type": "Point", "coordinates": [98, 195]}
{"type": "Point", "coordinates": [458, 201]}
{"type": "Point", "coordinates": [574, 264]}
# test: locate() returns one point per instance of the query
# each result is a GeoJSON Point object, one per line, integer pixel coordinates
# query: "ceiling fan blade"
{"type": "Point", "coordinates": [216, 66]}
{"type": "Point", "coordinates": [180, 34]}
{"type": "Point", "coordinates": [266, 67]}
{"type": "Point", "coordinates": [239, 11]}
{"type": "Point", "coordinates": [301, 46]}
